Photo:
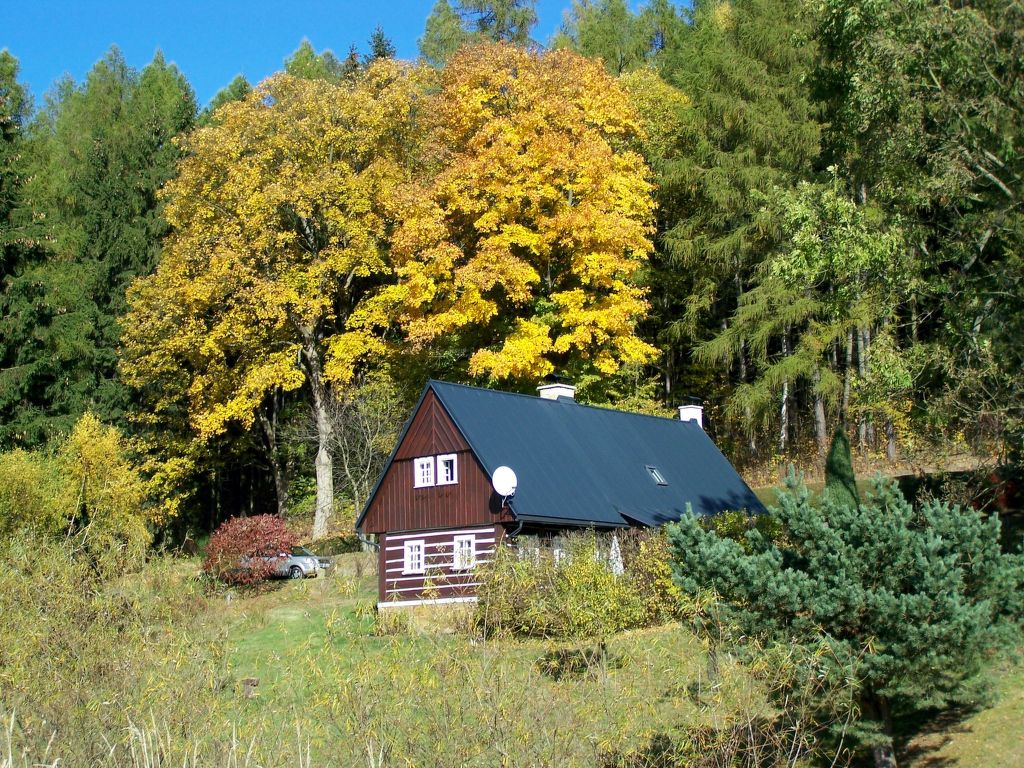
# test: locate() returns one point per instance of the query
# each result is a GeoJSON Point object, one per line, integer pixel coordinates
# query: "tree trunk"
{"type": "Point", "coordinates": [324, 461]}
{"type": "Point", "coordinates": [784, 405]}
{"type": "Point", "coordinates": [268, 423]}
{"type": "Point", "coordinates": [748, 418]}
{"type": "Point", "coordinates": [847, 381]}
{"type": "Point", "coordinates": [890, 439]}
{"type": "Point", "coordinates": [820, 428]}
{"type": "Point", "coordinates": [876, 708]}
{"type": "Point", "coordinates": [862, 423]}
{"type": "Point", "coordinates": [867, 369]}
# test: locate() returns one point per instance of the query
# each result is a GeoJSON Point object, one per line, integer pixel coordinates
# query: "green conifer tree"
{"type": "Point", "coordinates": [449, 27]}
{"type": "Point", "coordinates": [840, 481]}
{"type": "Point", "coordinates": [752, 127]}
{"type": "Point", "coordinates": [236, 90]}
{"type": "Point", "coordinates": [912, 602]}
{"type": "Point", "coordinates": [96, 157]}
{"type": "Point", "coordinates": [380, 47]}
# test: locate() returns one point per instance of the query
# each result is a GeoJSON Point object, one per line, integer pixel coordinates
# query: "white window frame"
{"type": "Point", "coordinates": [420, 464]}
{"type": "Point", "coordinates": [410, 550]}
{"type": "Point", "coordinates": [457, 542]}
{"type": "Point", "coordinates": [440, 468]}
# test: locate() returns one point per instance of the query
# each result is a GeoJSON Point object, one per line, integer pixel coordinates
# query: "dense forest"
{"type": "Point", "coordinates": [807, 215]}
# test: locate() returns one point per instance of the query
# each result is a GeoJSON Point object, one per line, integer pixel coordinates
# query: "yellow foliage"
{"type": "Point", "coordinates": [723, 16]}
{"type": "Point", "coordinates": [530, 219]}
{"type": "Point", "coordinates": [660, 107]}
{"type": "Point", "coordinates": [89, 490]}
{"type": "Point", "coordinates": [103, 490]}
{"type": "Point", "coordinates": [279, 215]}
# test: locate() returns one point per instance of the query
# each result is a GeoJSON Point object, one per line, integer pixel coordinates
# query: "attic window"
{"type": "Point", "coordinates": [423, 472]}
{"type": "Point", "coordinates": [447, 469]}
{"type": "Point", "coordinates": [656, 475]}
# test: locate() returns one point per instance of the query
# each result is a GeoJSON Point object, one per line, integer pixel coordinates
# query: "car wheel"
{"type": "Point", "coordinates": [295, 572]}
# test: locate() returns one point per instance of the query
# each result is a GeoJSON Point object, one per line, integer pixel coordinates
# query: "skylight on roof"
{"type": "Point", "coordinates": [656, 475]}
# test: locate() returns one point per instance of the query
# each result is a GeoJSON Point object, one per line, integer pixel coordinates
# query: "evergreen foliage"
{"type": "Point", "coordinates": [840, 481]}
{"type": "Point", "coordinates": [442, 35]}
{"type": "Point", "coordinates": [449, 27]}
{"type": "Point", "coordinates": [95, 159]}
{"type": "Point", "coordinates": [236, 90]}
{"type": "Point", "coordinates": [752, 127]}
{"type": "Point", "coordinates": [913, 601]}
{"type": "Point", "coordinates": [380, 47]}
{"type": "Point", "coordinates": [623, 40]}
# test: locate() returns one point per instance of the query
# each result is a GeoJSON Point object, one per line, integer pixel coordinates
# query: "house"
{"type": "Point", "coordinates": [438, 517]}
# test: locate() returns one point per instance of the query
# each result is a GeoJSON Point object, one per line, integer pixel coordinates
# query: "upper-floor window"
{"type": "Point", "coordinates": [447, 469]}
{"type": "Point", "coordinates": [465, 553]}
{"type": "Point", "coordinates": [423, 472]}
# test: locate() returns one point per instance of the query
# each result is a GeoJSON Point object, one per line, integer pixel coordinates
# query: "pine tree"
{"type": "Point", "coordinates": [911, 602]}
{"type": "Point", "coordinates": [380, 47]}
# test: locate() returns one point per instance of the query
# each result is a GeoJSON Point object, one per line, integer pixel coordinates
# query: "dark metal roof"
{"type": "Point", "coordinates": [582, 465]}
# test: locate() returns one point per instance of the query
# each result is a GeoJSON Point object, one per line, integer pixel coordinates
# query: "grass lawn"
{"type": "Point", "coordinates": [439, 698]}
{"type": "Point", "coordinates": [992, 737]}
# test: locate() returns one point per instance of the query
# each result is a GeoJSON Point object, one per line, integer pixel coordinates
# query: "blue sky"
{"type": "Point", "coordinates": [211, 41]}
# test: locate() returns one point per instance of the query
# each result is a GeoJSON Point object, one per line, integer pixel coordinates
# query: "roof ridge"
{"type": "Point", "coordinates": [592, 406]}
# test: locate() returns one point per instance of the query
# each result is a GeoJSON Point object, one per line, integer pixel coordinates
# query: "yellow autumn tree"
{"type": "Point", "coordinates": [520, 242]}
{"type": "Point", "coordinates": [280, 214]}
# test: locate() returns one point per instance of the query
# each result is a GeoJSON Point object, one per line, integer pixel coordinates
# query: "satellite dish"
{"type": "Point", "coordinates": [504, 481]}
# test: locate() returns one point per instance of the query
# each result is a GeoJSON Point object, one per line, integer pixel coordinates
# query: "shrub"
{"type": "Point", "coordinates": [243, 549]}
{"type": "Point", "coordinates": [912, 600]}
{"type": "Point", "coordinates": [577, 595]}
{"type": "Point", "coordinates": [87, 490]}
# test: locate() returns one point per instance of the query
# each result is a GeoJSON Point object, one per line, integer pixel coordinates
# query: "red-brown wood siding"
{"type": "Point", "coordinates": [431, 432]}
{"type": "Point", "coordinates": [441, 580]}
{"type": "Point", "coordinates": [398, 506]}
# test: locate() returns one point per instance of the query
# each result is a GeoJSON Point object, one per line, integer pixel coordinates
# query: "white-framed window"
{"type": "Point", "coordinates": [465, 552]}
{"type": "Point", "coordinates": [447, 469]}
{"type": "Point", "coordinates": [423, 472]}
{"type": "Point", "coordinates": [413, 557]}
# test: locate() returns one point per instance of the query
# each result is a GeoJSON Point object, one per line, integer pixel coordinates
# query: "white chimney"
{"type": "Point", "coordinates": [557, 390]}
{"type": "Point", "coordinates": [692, 412]}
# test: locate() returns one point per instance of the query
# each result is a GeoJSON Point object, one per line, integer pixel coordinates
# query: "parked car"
{"type": "Point", "coordinates": [325, 562]}
{"type": "Point", "coordinates": [300, 563]}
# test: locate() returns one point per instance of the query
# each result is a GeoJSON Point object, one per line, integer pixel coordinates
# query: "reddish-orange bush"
{"type": "Point", "coordinates": [243, 550]}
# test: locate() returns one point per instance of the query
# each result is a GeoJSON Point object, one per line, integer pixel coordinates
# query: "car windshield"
{"type": "Point", "coordinates": [302, 552]}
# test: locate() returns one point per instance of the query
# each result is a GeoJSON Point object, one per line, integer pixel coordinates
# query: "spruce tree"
{"type": "Point", "coordinates": [840, 481]}
{"type": "Point", "coordinates": [96, 157]}
{"type": "Point", "coordinates": [380, 47]}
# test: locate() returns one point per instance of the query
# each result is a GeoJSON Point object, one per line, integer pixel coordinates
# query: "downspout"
{"type": "Point", "coordinates": [375, 546]}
